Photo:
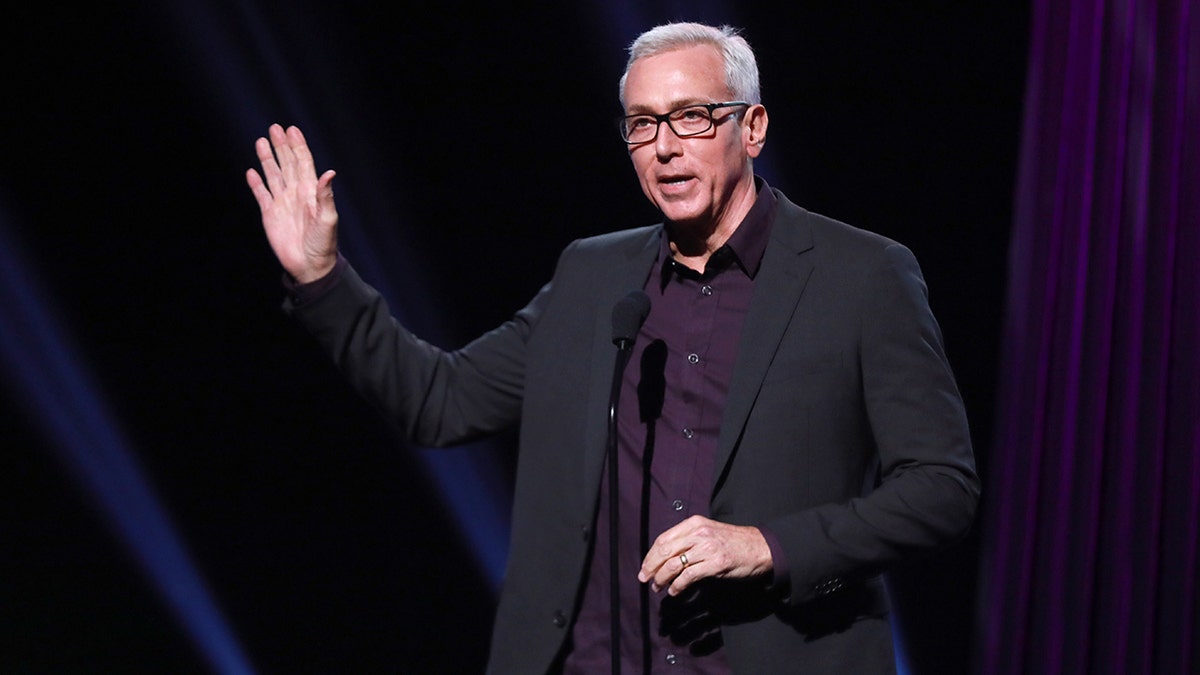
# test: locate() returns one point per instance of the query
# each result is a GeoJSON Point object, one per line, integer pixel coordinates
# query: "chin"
{"type": "Point", "coordinates": [678, 213]}
{"type": "Point", "coordinates": [687, 222]}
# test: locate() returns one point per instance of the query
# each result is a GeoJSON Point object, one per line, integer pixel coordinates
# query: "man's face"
{"type": "Point", "coordinates": [701, 181]}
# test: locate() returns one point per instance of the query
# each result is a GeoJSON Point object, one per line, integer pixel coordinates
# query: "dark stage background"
{"type": "Point", "coordinates": [471, 145]}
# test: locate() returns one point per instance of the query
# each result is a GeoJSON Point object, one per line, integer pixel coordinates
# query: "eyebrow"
{"type": "Point", "coordinates": [674, 105]}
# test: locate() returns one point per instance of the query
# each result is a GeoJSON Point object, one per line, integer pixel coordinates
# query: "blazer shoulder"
{"type": "Point", "coordinates": [827, 236]}
{"type": "Point", "coordinates": [594, 266]}
{"type": "Point", "coordinates": [617, 248]}
{"type": "Point", "coordinates": [632, 241]}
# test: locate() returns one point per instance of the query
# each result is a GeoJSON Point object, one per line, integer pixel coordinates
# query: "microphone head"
{"type": "Point", "coordinates": [627, 318]}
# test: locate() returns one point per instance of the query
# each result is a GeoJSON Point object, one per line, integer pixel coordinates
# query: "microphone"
{"type": "Point", "coordinates": [627, 318]}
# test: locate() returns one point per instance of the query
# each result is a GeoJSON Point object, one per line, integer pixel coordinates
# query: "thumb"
{"type": "Point", "coordinates": [325, 185]}
{"type": "Point", "coordinates": [324, 195]}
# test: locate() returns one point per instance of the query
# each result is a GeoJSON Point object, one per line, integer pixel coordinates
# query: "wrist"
{"type": "Point", "coordinates": [315, 272]}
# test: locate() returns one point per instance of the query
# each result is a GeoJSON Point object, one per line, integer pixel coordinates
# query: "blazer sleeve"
{"type": "Point", "coordinates": [927, 489]}
{"type": "Point", "coordinates": [434, 397]}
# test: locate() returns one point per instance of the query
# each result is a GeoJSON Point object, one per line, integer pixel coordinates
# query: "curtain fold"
{"type": "Point", "coordinates": [1092, 516]}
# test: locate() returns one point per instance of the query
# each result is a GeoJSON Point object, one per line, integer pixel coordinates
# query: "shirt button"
{"type": "Point", "coordinates": [688, 433]}
{"type": "Point", "coordinates": [560, 619]}
{"type": "Point", "coordinates": [677, 504]}
{"type": "Point", "coordinates": [706, 290]}
{"type": "Point", "coordinates": [672, 659]}
{"type": "Point", "coordinates": [693, 358]}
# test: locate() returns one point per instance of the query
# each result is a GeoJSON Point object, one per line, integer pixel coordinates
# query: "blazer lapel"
{"type": "Point", "coordinates": [777, 289]}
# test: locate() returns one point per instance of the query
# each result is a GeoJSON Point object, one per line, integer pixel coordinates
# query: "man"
{"type": "Point", "coordinates": [788, 427]}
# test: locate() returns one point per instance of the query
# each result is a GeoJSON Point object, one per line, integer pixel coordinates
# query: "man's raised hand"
{"type": "Point", "coordinates": [297, 207]}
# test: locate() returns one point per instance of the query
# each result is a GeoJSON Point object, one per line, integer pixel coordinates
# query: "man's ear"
{"type": "Point", "coordinates": [754, 130]}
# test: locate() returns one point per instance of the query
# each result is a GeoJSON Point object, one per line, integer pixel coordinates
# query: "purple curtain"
{"type": "Point", "coordinates": [1093, 513]}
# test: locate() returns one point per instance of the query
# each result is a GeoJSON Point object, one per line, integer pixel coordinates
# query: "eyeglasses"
{"type": "Point", "coordinates": [690, 120]}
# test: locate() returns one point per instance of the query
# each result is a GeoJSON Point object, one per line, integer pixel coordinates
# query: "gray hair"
{"type": "Point", "coordinates": [741, 70]}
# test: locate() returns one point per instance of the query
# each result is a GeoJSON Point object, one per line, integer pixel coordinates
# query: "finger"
{"type": "Point", "coordinates": [657, 557]}
{"type": "Point", "coordinates": [284, 154]}
{"type": "Point", "coordinates": [667, 564]}
{"type": "Point", "coordinates": [676, 577]}
{"type": "Point", "coordinates": [271, 173]}
{"type": "Point", "coordinates": [667, 545]}
{"type": "Point", "coordinates": [304, 160]}
{"type": "Point", "coordinates": [686, 577]}
{"type": "Point", "coordinates": [261, 194]}
{"type": "Point", "coordinates": [673, 568]}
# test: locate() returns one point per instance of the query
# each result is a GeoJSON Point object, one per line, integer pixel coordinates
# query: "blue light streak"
{"type": "Point", "coordinates": [470, 477]}
{"type": "Point", "coordinates": [44, 370]}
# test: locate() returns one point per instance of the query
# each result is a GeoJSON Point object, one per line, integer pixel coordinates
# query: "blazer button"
{"type": "Point", "coordinates": [560, 619]}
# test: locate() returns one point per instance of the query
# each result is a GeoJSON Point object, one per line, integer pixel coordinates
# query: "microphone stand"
{"type": "Point", "coordinates": [628, 316]}
{"type": "Point", "coordinates": [624, 351]}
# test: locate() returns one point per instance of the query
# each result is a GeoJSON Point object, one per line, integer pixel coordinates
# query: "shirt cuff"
{"type": "Point", "coordinates": [780, 584]}
{"type": "Point", "coordinates": [301, 294]}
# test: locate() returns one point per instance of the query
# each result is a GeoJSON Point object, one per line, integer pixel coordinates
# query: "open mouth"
{"type": "Point", "coordinates": [674, 181]}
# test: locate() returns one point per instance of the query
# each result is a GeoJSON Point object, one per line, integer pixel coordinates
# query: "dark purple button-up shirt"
{"type": "Point", "coordinates": [672, 398]}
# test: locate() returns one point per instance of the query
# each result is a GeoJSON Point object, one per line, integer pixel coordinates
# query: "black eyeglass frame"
{"type": "Point", "coordinates": [622, 126]}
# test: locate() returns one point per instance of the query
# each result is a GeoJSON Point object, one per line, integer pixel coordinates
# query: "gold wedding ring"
{"type": "Point", "coordinates": [683, 559]}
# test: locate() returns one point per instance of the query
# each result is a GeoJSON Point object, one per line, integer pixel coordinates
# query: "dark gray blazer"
{"type": "Point", "coordinates": [844, 433]}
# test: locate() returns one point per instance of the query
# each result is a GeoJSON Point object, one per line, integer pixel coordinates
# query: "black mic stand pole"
{"type": "Point", "coordinates": [628, 316]}
{"type": "Point", "coordinates": [623, 354]}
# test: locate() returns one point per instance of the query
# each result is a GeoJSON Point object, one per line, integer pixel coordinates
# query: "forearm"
{"type": "Point", "coordinates": [836, 544]}
{"type": "Point", "coordinates": [434, 397]}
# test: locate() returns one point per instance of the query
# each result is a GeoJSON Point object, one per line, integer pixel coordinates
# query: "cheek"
{"type": "Point", "coordinates": [642, 170]}
{"type": "Point", "coordinates": [732, 168]}
{"type": "Point", "coordinates": [647, 188]}
{"type": "Point", "coordinates": [643, 162]}
{"type": "Point", "coordinates": [648, 191]}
